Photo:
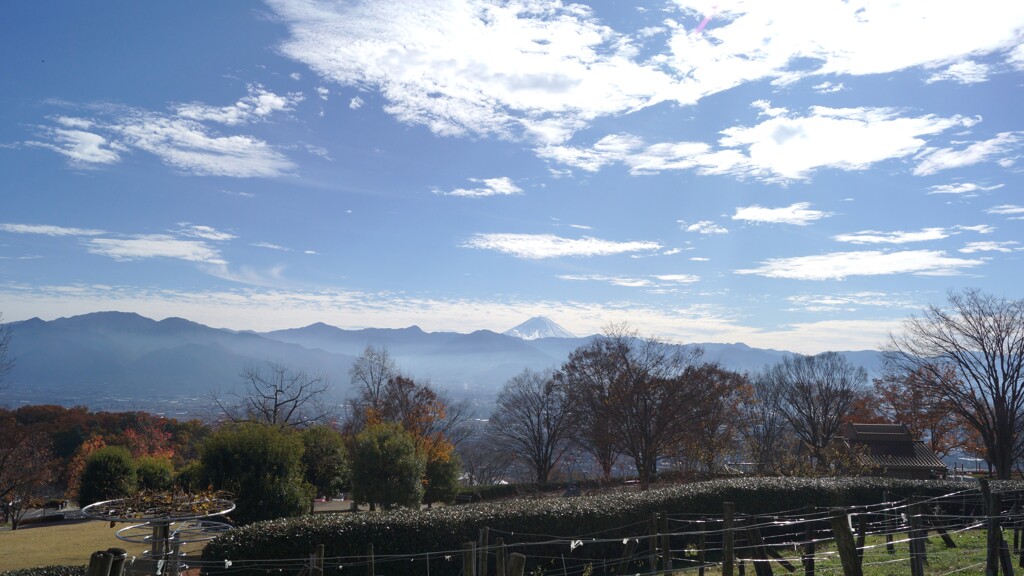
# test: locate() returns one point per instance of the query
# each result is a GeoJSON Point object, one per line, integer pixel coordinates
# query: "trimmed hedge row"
{"type": "Point", "coordinates": [48, 571]}
{"type": "Point", "coordinates": [521, 521]}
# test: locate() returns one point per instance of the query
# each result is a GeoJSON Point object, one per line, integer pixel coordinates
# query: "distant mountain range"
{"type": "Point", "coordinates": [115, 354]}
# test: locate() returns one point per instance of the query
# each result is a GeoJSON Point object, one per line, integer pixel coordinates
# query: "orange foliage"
{"type": "Point", "coordinates": [73, 474]}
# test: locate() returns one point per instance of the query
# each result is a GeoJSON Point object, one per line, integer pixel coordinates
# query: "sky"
{"type": "Point", "coordinates": [793, 175]}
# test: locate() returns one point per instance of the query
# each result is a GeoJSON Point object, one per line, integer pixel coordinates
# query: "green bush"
{"type": "Point", "coordinates": [386, 468]}
{"type": "Point", "coordinates": [442, 479]}
{"type": "Point", "coordinates": [261, 466]}
{"type": "Point", "coordinates": [609, 516]}
{"type": "Point", "coordinates": [324, 460]}
{"type": "Point", "coordinates": [191, 478]}
{"type": "Point", "coordinates": [154, 473]}
{"type": "Point", "coordinates": [109, 473]}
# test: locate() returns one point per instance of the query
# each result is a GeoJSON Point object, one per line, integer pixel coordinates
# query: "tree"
{"type": "Point", "coordinates": [368, 376]}
{"type": "Point", "coordinates": [260, 464]}
{"type": "Point", "coordinates": [324, 459]}
{"type": "Point", "coordinates": [154, 473]}
{"type": "Point", "coordinates": [904, 398]}
{"type": "Point", "coordinates": [6, 362]}
{"type": "Point", "coordinates": [980, 338]}
{"type": "Point", "coordinates": [639, 383]}
{"type": "Point", "coordinates": [441, 479]}
{"type": "Point", "coordinates": [26, 467]}
{"type": "Point", "coordinates": [484, 460]}
{"type": "Point", "coordinates": [717, 397]}
{"type": "Point", "coordinates": [109, 474]}
{"type": "Point", "coordinates": [532, 418]}
{"type": "Point", "coordinates": [279, 396]}
{"type": "Point", "coordinates": [386, 467]}
{"type": "Point", "coordinates": [815, 395]}
{"type": "Point", "coordinates": [763, 426]}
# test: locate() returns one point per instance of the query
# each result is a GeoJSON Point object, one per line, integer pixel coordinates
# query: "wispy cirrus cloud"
{"type": "Point", "coordinates": [259, 104]}
{"type": "Point", "coordinates": [964, 72]}
{"type": "Point", "coordinates": [849, 301]}
{"type": "Point", "coordinates": [781, 148]}
{"type": "Point", "coordinates": [1008, 246]}
{"type": "Point", "coordinates": [180, 139]}
{"type": "Point", "coordinates": [49, 230]}
{"type": "Point", "coordinates": [965, 188]}
{"type": "Point", "coordinates": [899, 237]}
{"type": "Point", "coordinates": [704, 227]}
{"type": "Point", "coordinates": [842, 265]}
{"type": "Point", "coordinates": [798, 214]}
{"type": "Point", "coordinates": [1006, 210]}
{"type": "Point", "coordinates": [538, 246]}
{"type": "Point", "coordinates": [145, 246]}
{"type": "Point", "coordinates": [932, 160]}
{"type": "Point", "coordinates": [204, 232]}
{"type": "Point", "coordinates": [654, 281]}
{"type": "Point", "coordinates": [503, 186]}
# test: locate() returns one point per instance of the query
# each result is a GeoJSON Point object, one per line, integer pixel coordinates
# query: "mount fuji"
{"type": "Point", "coordinates": [538, 327]}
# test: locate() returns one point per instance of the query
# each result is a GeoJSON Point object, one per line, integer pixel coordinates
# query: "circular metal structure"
{"type": "Point", "coordinates": [165, 522]}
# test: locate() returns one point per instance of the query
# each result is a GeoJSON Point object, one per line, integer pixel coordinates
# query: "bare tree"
{"type": "Point", "coordinates": [280, 396]}
{"type": "Point", "coordinates": [641, 382]}
{"type": "Point", "coordinates": [6, 362]}
{"type": "Point", "coordinates": [981, 339]}
{"type": "Point", "coordinates": [717, 397]}
{"type": "Point", "coordinates": [532, 419]}
{"type": "Point", "coordinates": [370, 374]}
{"type": "Point", "coordinates": [485, 461]}
{"type": "Point", "coordinates": [763, 426]}
{"type": "Point", "coordinates": [816, 393]}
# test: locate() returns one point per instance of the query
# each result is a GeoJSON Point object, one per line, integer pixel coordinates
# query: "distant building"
{"type": "Point", "coordinates": [889, 451]}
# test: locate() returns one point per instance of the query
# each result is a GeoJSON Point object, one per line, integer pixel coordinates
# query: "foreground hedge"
{"type": "Point", "coordinates": [48, 571]}
{"type": "Point", "coordinates": [519, 521]}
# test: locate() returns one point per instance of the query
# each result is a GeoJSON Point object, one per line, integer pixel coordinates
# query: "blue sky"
{"type": "Point", "coordinates": [798, 175]}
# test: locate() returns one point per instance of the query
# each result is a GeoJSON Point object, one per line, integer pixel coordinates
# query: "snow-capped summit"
{"type": "Point", "coordinates": [539, 327]}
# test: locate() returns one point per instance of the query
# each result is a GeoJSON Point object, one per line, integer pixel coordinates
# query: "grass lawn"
{"type": "Point", "coordinates": [69, 543]}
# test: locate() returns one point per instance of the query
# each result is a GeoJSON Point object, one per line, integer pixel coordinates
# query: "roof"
{"type": "Point", "coordinates": [892, 446]}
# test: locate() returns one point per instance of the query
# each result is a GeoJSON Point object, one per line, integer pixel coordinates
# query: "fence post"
{"type": "Point", "coordinates": [99, 563]}
{"type": "Point", "coordinates": [844, 542]}
{"type": "Point", "coordinates": [626, 555]}
{"type": "Point", "coordinates": [809, 551]}
{"type": "Point", "coordinates": [117, 559]}
{"type": "Point", "coordinates": [728, 550]}
{"type": "Point", "coordinates": [469, 558]}
{"type": "Point", "coordinates": [666, 549]}
{"type": "Point", "coordinates": [652, 532]}
{"type": "Point", "coordinates": [370, 568]}
{"type": "Point", "coordinates": [516, 564]}
{"type": "Point", "coordinates": [499, 557]}
{"type": "Point", "coordinates": [760, 557]}
{"type": "Point", "coordinates": [862, 533]}
{"type": "Point", "coordinates": [701, 557]}
{"type": "Point", "coordinates": [485, 536]}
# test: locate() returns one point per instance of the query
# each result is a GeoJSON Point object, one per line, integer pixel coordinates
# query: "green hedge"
{"type": "Point", "coordinates": [48, 571]}
{"type": "Point", "coordinates": [610, 516]}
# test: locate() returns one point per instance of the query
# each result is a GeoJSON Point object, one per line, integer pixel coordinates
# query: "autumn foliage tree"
{"type": "Point", "coordinates": [907, 399]}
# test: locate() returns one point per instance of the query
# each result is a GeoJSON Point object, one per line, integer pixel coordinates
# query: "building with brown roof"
{"type": "Point", "coordinates": [889, 451]}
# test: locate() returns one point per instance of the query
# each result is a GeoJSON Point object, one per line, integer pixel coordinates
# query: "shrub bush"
{"type": "Point", "coordinates": [154, 473]}
{"type": "Point", "coordinates": [48, 571]}
{"type": "Point", "coordinates": [611, 516]}
{"type": "Point", "coordinates": [109, 473]}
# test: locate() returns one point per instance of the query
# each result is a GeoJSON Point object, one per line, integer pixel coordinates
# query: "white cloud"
{"type": "Point", "coordinates": [613, 280]}
{"type": "Point", "coordinates": [355, 103]}
{"type": "Point", "coordinates": [503, 186]}
{"type": "Point", "coordinates": [1008, 246]}
{"type": "Point", "coordinates": [799, 214]}
{"type": "Point", "coordinates": [849, 301]}
{"type": "Point", "coordinates": [966, 188]}
{"type": "Point", "coordinates": [271, 246]}
{"type": "Point", "coordinates": [841, 265]}
{"type": "Point", "coordinates": [536, 246]}
{"type": "Point", "coordinates": [706, 227]}
{"type": "Point", "coordinates": [257, 105]}
{"type": "Point", "coordinates": [781, 148]}
{"type": "Point", "coordinates": [678, 278]}
{"type": "Point", "coordinates": [204, 232]}
{"type": "Point", "coordinates": [966, 72]}
{"type": "Point", "coordinates": [828, 88]}
{"type": "Point", "coordinates": [154, 246]}
{"type": "Point", "coordinates": [1006, 209]}
{"type": "Point", "coordinates": [979, 228]}
{"type": "Point", "coordinates": [934, 159]}
{"type": "Point", "coordinates": [181, 139]}
{"type": "Point", "coordinates": [81, 148]}
{"type": "Point", "coordinates": [876, 237]}
{"type": "Point", "coordinates": [323, 92]}
{"type": "Point", "coordinates": [49, 230]}
{"type": "Point", "coordinates": [700, 259]}
{"type": "Point", "coordinates": [295, 76]}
